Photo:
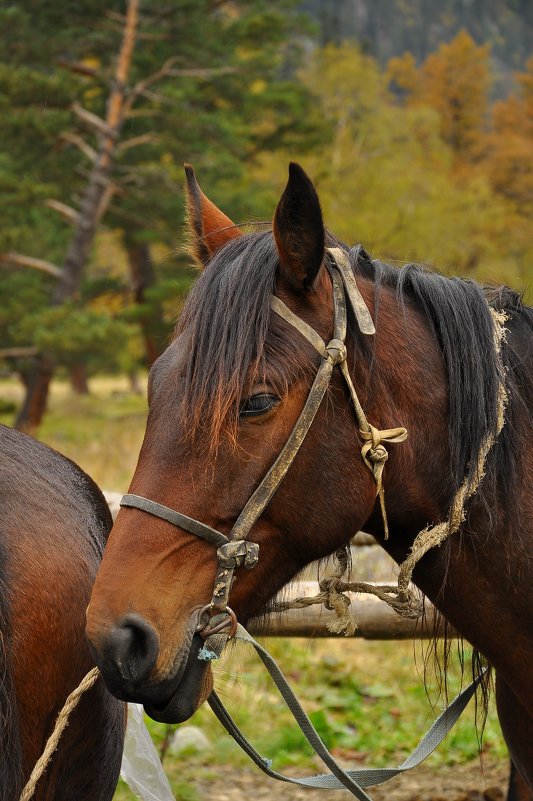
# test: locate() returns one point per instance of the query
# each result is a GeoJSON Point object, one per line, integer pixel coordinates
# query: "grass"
{"type": "Point", "coordinates": [102, 431]}
{"type": "Point", "coordinates": [367, 699]}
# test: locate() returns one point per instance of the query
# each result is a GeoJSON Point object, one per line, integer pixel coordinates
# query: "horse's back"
{"type": "Point", "coordinates": [53, 529]}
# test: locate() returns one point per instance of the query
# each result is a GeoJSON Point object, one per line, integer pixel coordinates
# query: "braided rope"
{"type": "Point", "coordinates": [61, 723]}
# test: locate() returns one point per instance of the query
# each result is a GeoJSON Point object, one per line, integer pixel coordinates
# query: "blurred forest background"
{"type": "Point", "coordinates": [414, 118]}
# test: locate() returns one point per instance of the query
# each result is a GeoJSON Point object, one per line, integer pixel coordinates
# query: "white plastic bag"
{"type": "Point", "coordinates": [141, 767]}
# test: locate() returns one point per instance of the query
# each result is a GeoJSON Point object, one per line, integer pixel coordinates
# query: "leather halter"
{"type": "Point", "coordinates": [235, 550]}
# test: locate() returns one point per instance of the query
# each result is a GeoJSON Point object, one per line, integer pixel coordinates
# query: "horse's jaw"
{"type": "Point", "coordinates": [194, 685]}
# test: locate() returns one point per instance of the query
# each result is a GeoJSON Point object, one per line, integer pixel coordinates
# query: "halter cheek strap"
{"type": "Point", "coordinates": [234, 550]}
{"type": "Point", "coordinates": [176, 518]}
{"type": "Point", "coordinates": [373, 452]}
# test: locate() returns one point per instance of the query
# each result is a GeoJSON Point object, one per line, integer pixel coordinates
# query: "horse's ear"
{"type": "Point", "coordinates": [299, 229]}
{"type": "Point", "coordinates": [209, 228]}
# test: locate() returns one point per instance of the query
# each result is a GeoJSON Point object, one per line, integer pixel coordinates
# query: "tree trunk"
{"type": "Point", "coordinates": [93, 206]}
{"type": "Point", "coordinates": [151, 322]}
{"type": "Point", "coordinates": [37, 383]}
{"type": "Point", "coordinates": [135, 385]}
{"type": "Point", "coordinates": [78, 379]}
{"type": "Point", "coordinates": [99, 188]}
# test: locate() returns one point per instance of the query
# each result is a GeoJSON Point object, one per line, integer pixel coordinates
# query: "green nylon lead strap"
{"type": "Point", "coordinates": [352, 780]}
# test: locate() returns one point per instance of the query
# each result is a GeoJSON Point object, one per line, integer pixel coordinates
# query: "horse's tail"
{"type": "Point", "coordinates": [10, 745]}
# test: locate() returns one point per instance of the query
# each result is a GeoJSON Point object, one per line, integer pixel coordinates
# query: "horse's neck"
{"type": "Point", "coordinates": [405, 385]}
{"type": "Point", "coordinates": [481, 579]}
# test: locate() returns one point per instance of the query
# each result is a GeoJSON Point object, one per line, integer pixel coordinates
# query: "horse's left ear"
{"type": "Point", "coordinates": [299, 230]}
{"type": "Point", "coordinates": [209, 227]}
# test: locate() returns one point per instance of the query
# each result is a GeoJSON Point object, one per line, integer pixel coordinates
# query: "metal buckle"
{"type": "Point", "coordinates": [204, 627]}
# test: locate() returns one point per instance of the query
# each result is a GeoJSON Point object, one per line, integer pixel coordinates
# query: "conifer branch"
{"type": "Point", "coordinates": [80, 143]}
{"type": "Point", "coordinates": [21, 260]}
{"type": "Point", "coordinates": [69, 214]}
{"type": "Point", "coordinates": [135, 141]}
{"type": "Point", "coordinates": [93, 120]}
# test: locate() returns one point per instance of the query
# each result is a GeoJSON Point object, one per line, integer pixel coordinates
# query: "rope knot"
{"type": "Point", "coordinates": [374, 452]}
{"type": "Point", "coordinates": [375, 455]}
{"type": "Point", "coordinates": [378, 454]}
{"type": "Point", "coordinates": [336, 351]}
{"type": "Point", "coordinates": [336, 601]}
{"type": "Point", "coordinates": [407, 603]}
{"type": "Point", "coordinates": [329, 586]}
{"type": "Point", "coordinates": [238, 553]}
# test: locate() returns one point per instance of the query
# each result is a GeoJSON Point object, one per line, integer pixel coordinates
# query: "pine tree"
{"type": "Point", "coordinates": [198, 89]}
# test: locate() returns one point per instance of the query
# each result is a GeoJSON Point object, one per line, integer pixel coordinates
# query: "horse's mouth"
{"type": "Point", "coordinates": [176, 697]}
{"type": "Point", "coordinates": [192, 685]}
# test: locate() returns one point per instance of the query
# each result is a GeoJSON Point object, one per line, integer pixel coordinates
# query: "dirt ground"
{"type": "Point", "coordinates": [458, 783]}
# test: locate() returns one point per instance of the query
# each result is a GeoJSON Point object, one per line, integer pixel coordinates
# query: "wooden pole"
{"type": "Point", "coordinates": [376, 620]}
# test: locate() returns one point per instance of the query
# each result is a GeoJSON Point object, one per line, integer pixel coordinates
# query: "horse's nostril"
{"type": "Point", "coordinates": [132, 648]}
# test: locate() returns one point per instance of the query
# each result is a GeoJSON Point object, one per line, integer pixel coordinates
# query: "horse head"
{"type": "Point", "coordinates": [223, 401]}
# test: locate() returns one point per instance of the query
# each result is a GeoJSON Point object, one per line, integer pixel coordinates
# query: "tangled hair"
{"type": "Point", "coordinates": [234, 340]}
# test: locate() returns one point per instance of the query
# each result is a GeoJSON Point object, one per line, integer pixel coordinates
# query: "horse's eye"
{"type": "Point", "coordinates": [258, 404]}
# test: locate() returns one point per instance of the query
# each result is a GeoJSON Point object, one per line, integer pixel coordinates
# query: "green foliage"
{"type": "Point", "coordinates": [394, 178]}
{"type": "Point", "coordinates": [34, 106]}
{"type": "Point", "coordinates": [219, 101]}
{"type": "Point", "coordinates": [73, 335]}
{"type": "Point", "coordinates": [99, 337]}
{"type": "Point", "coordinates": [23, 293]}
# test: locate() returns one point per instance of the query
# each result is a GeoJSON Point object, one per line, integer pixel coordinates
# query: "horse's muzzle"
{"type": "Point", "coordinates": [127, 657]}
{"type": "Point", "coordinates": [129, 651]}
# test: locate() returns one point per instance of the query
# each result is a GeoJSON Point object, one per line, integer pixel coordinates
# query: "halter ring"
{"type": "Point", "coordinates": [206, 630]}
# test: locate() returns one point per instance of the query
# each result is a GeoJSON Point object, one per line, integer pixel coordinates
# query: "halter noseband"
{"type": "Point", "coordinates": [235, 550]}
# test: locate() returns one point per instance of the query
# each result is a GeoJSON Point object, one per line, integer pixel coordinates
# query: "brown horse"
{"type": "Point", "coordinates": [224, 398]}
{"type": "Point", "coordinates": [53, 528]}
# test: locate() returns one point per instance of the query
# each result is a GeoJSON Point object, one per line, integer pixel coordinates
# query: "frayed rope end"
{"type": "Point", "coordinates": [207, 655]}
